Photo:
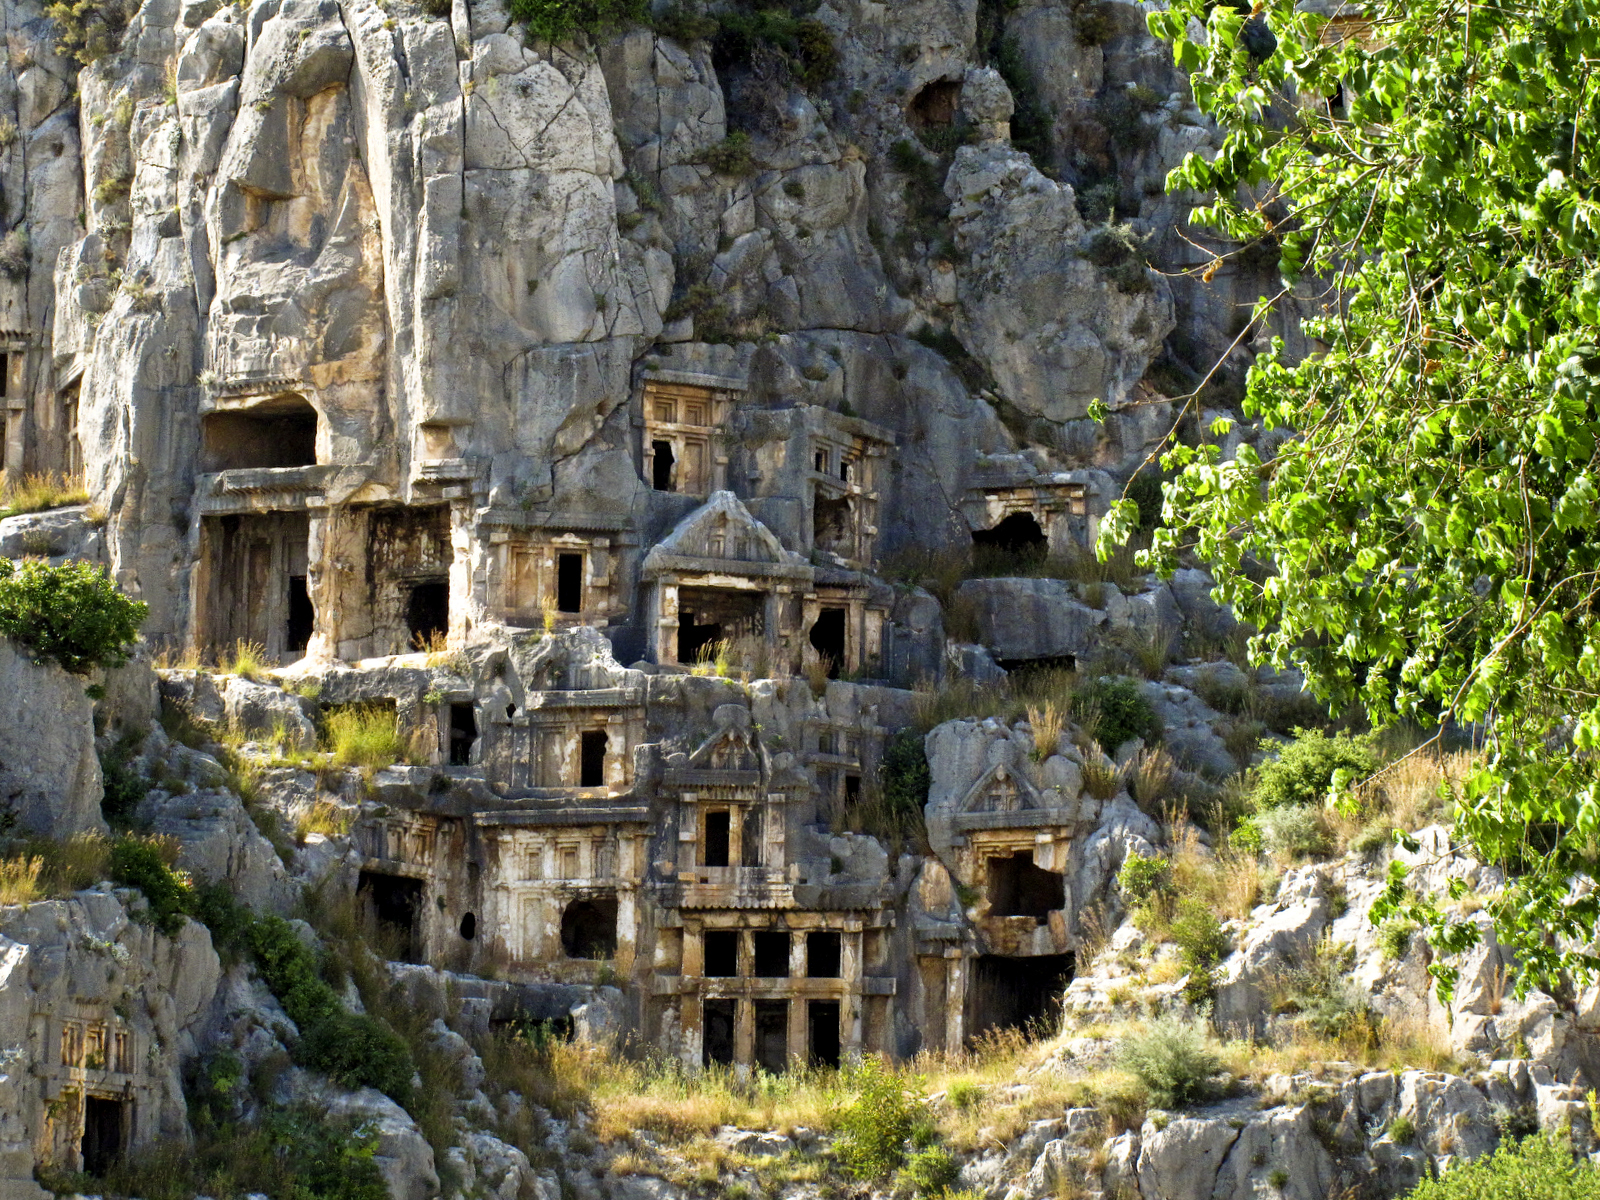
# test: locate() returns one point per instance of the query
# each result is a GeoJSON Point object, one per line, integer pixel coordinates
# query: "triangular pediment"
{"type": "Point", "coordinates": [727, 750]}
{"type": "Point", "coordinates": [723, 530]}
{"type": "Point", "coordinates": [1000, 790]}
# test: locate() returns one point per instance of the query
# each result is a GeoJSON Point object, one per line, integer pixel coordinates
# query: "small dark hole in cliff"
{"type": "Point", "coordinates": [463, 734]}
{"type": "Point", "coordinates": [934, 107]}
{"type": "Point", "coordinates": [772, 954]}
{"type": "Point", "coordinates": [428, 611]}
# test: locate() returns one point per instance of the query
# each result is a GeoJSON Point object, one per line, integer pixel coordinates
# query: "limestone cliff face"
{"type": "Point", "coordinates": [424, 263]}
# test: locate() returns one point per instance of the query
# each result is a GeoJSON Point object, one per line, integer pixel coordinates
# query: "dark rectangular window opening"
{"type": "Point", "coordinates": [822, 1028]}
{"type": "Point", "coordinates": [662, 461]}
{"type": "Point", "coordinates": [302, 617]}
{"type": "Point", "coordinates": [772, 1035]}
{"type": "Point", "coordinates": [718, 829]}
{"type": "Point", "coordinates": [592, 758]}
{"type": "Point", "coordinates": [103, 1129]}
{"type": "Point", "coordinates": [428, 612]}
{"type": "Point", "coordinates": [852, 789]}
{"type": "Point", "coordinates": [463, 733]}
{"type": "Point", "coordinates": [822, 462]}
{"type": "Point", "coordinates": [716, 1032]}
{"type": "Point", "coordinates": [822, 954]}
{"type": "Point", "coordinates": [393, 903]}
{"type": "Point", "coordinates": [827, 639]}
{"type": "Point", "coordinates": [569, 583]}
{"type": "Point", "coordinates": [721, 953]}
{"type": "Point", "coordinates": [1017, 888]}
{"type": "Point", "coordinates": [772, 954]}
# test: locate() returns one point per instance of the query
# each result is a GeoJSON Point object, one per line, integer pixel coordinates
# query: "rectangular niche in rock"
{"type": "Point", "coordinates": [772, 1035]}
{"type": "Point", "coordinates": [271, 432]}
{"type": "Point", "coordinates": [253, 571]}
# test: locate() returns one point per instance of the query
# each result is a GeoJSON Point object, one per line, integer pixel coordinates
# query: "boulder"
{"type": "Point", "coordinates": [1031, 618]}
{"type": "Point", "coordinates": [49, 771]}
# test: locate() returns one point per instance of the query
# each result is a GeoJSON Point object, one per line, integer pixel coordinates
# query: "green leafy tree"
{"type": "Point", "coordinates": [1426, 547]}
{"type": "Point", "coordinates": [1537, 1166]}
{"type": "Point", "coordinates": [73, 613]}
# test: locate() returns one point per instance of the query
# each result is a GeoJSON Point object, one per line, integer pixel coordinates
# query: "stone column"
{"type": "Point", "coordinates": [744, 1035]}
{"type": "Point", "coordinates": [955, 1006]}
{"type": "Point", "coordinates": [851, 971]}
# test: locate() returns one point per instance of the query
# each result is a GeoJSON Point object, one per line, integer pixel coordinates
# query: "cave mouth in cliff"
{"type": "Point", "coordinates": [589, 928]}
{"type": "Point", "coordinates": [1018, 992]}
{"type": "Point", "coordinates": [104, 1122]}
{"type": "Point", "coordinates": [827, 639]}
{"type": "Point", "coordinates": [393, 902]}
{"type": "Point", "coordinates": [1018, 888]}
{"type": "Point", "coordinates": [275, 433]}
{"type": "Point", "coordinates": [1017, 541]}
{"type": "Point", "coordinates": [935, 106]}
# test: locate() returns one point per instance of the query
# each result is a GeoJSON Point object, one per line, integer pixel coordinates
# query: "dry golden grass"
{"type": "Point", "coordinates": [1048, 723]}
{"type": "Point", "coordinates": [323, 817]}
{"type": "Point", "coordinates": [19, 880]}
{"type": "Point", "coordinates": [37, 492]}
{"type": "Point", "coordinates": [1388, 1044]}
{"type": "Point", "coordinates": [1228, 882]}
{"type": "Point", "coordinates": [246, 659]}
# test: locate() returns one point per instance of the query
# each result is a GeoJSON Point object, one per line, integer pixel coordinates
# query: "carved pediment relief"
{"type": "Point", "coordinates": [1000, 790]}
{"type": "Point", "coordinates": [722, 530]}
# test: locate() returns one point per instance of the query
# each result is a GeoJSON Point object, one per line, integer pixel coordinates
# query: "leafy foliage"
{"type": "Point", "coordinates": [1201, 946]}
{"type": "Point", "coordinates": [1140, 876]}
{"type": "Point", "coordinates": [1123, 711]}
{"type": "Point", "coordinates": [73, 613]}
{"type": "Point", "coordinates": [874, 1128]}
{"type": "Point", "coordinates": [142, 863]}
{"type": "Point", "coordinates": [90, 29]}
{"type": "Point", "coordinates": [1307, 767]}
{"type": "Point", "coordinates": [804, 43]}
{"type": "Point", "coordinates": [931, 1171]}
{"type": "Point", "coordinates": [561, 20]}
{"type": "Point", "coordinates": [1429, 172]}
{"type": "Point", "coordinates": [1537, 1166]}
{"type": "Point", "coordinates": [354, 1049]}
{"type": "Point", "coordinates": [1173, 1059]}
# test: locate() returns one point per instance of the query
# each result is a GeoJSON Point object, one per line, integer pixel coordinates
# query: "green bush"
{"type": "Point", "coordinates": [1201, 946]}
{"type": "Point", "coordinates": [1402, 1131]}
{"type": "Point", "coordinates": [140, 863]}
{"type": "Point", "coordinates": [930, 1172]}
{"type": "Point", "coordinates": [1141, 877]}
{"type": "Point", "coordinates": [123, 789]}
{"type": "Point", "coordinates": [1120, 253]}
{"type": "Point", "coordinates": [1173, 1059]}
{"type": "Point", "coordinates": [731, 156]}
{"type": "Point", "coordinates": [72, 614]}
{"type": "Point", "coordinates": [805, 44]}
{"type": "Point", "coordinates": [90, 29]}
{"type": "Point", "coordinates": [1305, 769]}
{"type": "Point", "coordinates": [903, 774]}
{"type": "Point", "coordinates": [1295, 829]}
{"type": "Point", "coordinates": [873, 1130]}
{"type": "Point", "coordinates": [1394, 937]}
{"type": "Point", "coordinates": [1538, 1166]}
{"type": "Point", "coordinates": [560, 20]}
{"type": "Point", "coordinates": [296, 1153]}
{"type": "Point", "coordinates": [1124, 713]}
{"type": "Point", "coordinates": [354, 1050]}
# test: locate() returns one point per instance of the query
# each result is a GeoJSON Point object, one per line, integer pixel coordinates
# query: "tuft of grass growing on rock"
{"type": "Point", "coordinates": [364, 735]}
